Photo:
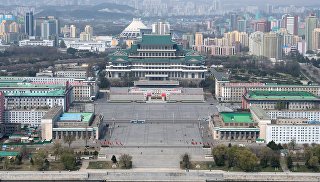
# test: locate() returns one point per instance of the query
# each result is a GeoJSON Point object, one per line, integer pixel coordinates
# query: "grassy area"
{"type": "Point", "coordinates": [101, 165]}
{"type": "Point", "coordinates": [209, 165]}
{"type": "Point", "coordinates": [270, 169]}
{"type": "Point", "coordinates": [301, 168]}
{"type": "Point", "coordinates": [27, 166]}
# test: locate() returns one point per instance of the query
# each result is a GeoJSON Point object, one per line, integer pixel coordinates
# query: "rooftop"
{"type": "Point", "coordinates": [52, 112]}
{"type": "Point", "coordinates": [259, 112]}
{"type": "Point", "coordinates": [13, 84]}
{"type": "Point", "coordinates": [237, 117]}
{"type": "Point", "coordinates": [55, 93]}
{"type": "Point", "coordinates": [85, 117]}
{"type": "Point", "coordinates": [281, 95]}
{"type": "Point", "coordinates": [156, 39]}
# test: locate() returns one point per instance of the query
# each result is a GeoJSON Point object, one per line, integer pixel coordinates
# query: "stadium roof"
{"type": "Point", "coordinates": [133, 30]}
{"type": "Point", "coordinates": [237, 117]}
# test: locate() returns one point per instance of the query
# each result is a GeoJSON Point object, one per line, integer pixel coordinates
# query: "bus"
{"type": "Point", "coordinates": [138, 121]}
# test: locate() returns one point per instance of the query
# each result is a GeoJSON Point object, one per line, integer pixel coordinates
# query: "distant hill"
{"type": "Point", "coordinates": [101, 11]}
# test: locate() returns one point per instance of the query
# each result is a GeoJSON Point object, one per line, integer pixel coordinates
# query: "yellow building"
{"type": "Point", "coordinates": [129, 43]}
{"type": "Point", "coordinates": [199, 39]}
{"type": "Point", "coordinates": [114, 43]}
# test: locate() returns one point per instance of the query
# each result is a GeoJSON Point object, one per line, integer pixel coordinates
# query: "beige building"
{"type": "Point", "coordinates": [89, 30]}
{"type": "Point", "coordinates": [199, 39]}
{"type": "Point", "coordinates": [73, 31]}
{"type": "Point", "coordinates": [316, 39]}
{"type": "Point", "coordinates": [56, 125]}
{"type": "Point", "coordinates": [272, 45]}
{"type": "Point", "coordinates": [84, 36]}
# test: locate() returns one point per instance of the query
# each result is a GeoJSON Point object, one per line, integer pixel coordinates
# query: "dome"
{"type": "Point", "coordinates": [133, 30]}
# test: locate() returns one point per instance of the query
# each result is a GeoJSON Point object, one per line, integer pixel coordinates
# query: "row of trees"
{"type": "Point", "coordinates": [311, 158]}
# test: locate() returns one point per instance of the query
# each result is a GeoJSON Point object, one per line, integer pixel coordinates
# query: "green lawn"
{"type": "Point", "coordinates": [101, 165]}
{"type": "Point", "coordinates": [301, 168]}
{"type": "Point", "coordinates": [210, 165]}
{"type": "Point", "coordinates": [26, 166]}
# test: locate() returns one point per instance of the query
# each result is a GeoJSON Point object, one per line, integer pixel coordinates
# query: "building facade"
{"type": "Point", "coordinates": [310, 115]}
{"type": "Point", "coordinates": [157, 57]}
{"type": "Point", "coordinates": [291, 100]}
{"type": "Point", "coordinates": [24, 117]}
{"type": "Point", "coordinates": [234, 127]}
{"type": "Point", "coordinates": [233, 92]}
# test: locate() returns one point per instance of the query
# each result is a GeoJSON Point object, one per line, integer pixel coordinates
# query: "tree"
{"type": "Point", "coordinates": [309, 52]}
{"type": "Point", "coordinates": [6, 163]}
{"type": "Point", "coordinates": [273, 145]}
{"type": "Point", "coordinates": [265, 156]}
{"type": "Point", "coordinates": [104, 82]}
{"type": "Point", "coordinates": [125, 161]}
{"type": "Point", "coordinates": [68, 139]}
{"type": "Point", "coordinates": [275, 161]}
{"type": "Point", "coordinates": [31, 161]}
{"type": "Point", "coordinates": [292, 144]}
{"type": "Point", "coordinates": [62, 44]}
{"type": "Point", "coordinates": [18, 160]}
{"type": "Point", "coordinates": [247, 160]}
{"type": "Point", "coordinates": [185, 163]}
{"type": "Point", "coordinates": [68, 160]}
{"type": "Point", "coordinates": [40, 160]}
{"type": "Point", "coordinates": [313, 163]}
{"type": "Point", "coordinates": [114, 159]}
{"type": "Point", "coordinates": [57, 150]}
{"type": "Point", "coordinates": [231, 155]}
{"type": "Point", "coordinates": [289, 162]}
{"type": "Point", "coordinates": [71, 51]}
{"type": "Point", "coordinates": [219, 154]}
{"type": "Point", "coordinates": [24, 152]}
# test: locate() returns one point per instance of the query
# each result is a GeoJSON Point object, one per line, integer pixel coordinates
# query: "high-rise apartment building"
{"type": "Point", "coordinates": [161, 28]}
{"type": "Point", "coordinates": [48, 29]}
{"type": "Point", "coordinates": [316, 39]}
{"type": "Point", "coordinates": [292, 24]}
{"type": "Point", "coordinates": [84, 36]}
{"type": "Point", "coordinates": [272, 45]}
{"type": "Point", "coordinates": [311, 24]}
{"type": "Point", "coordinates": [89, 30]}
{"type": "Point", "coordinates": [233, 21]}
{"type": "Point", "coordinates": [5, 26]}
{"type": "Point", "coordinates": [72, 31]}
{"type": "Point", "coordinates": [29, 24]}
{"type": "Point", "coordinates": [256, 43]}
{"type": "Point", "coordinates": [199, 39]}
{"type": "Point", "coordinates": [15, 27]}
{"type": "Point", "coordinates": [44, 24]}
{"type": "Point", "coordinates": [189, 38]}
{"type": "Point", "coordinates": [242, 25]}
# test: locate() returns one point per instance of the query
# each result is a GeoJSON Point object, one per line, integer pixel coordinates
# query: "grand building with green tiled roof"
{"type": "Point", "coordinates": [157, 57]}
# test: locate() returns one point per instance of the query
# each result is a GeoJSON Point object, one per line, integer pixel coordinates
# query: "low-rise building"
{"type": "Point", "coordinates": [82, 126]}
{"type": "Point", "coordinates": [300, 131]}
{"type": "Point", "coordinates": [234, 127]}
{"type": "Point", "coordinates": [45, 43]}
{"type": "Point", "coordinates": [310, 115]}
{"type": "Point", "coordinates": [292, 100]}
{"type": "Point", "coordinates": [225, 91]}
{"type": "Point", "coordinates": [7, 129]}
{"type": "Point", "coordinates": [71, 73]}
{"type": "Point", "coordinates": [153, 91]}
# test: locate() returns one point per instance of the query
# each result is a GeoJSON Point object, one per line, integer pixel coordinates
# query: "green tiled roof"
{"type": "Point", "coordinates": [281, 95]}
{"type": "Point", "coordinates": [55, 93]}
{"type": "Point", "coordinates": [237, 117]}
{"type": "Point", "coordinates": [156, 40]}
{"type": "Point", "coordinates": [8, 154]}
{"type": "Point", "coordinates": [31, 86]}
